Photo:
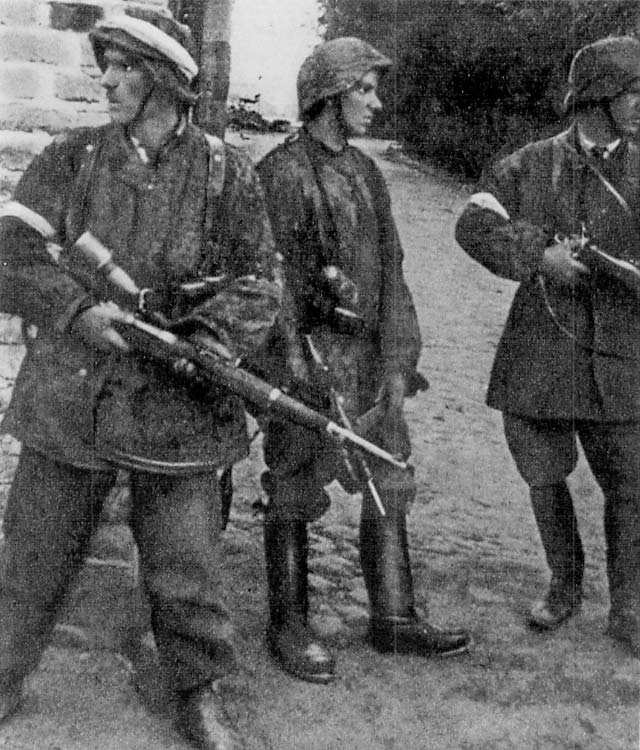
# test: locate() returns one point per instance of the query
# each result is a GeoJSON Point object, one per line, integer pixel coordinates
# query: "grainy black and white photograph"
{"type": "Point", "coordinates": [320, 374]}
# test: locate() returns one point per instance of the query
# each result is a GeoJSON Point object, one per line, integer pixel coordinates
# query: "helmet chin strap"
{"type": "Point", "coordinates": [143, 105]}
{"type": "Point", "coordinates": [343, 129]}
{"type": "Point", "coordinates": [615, 129]}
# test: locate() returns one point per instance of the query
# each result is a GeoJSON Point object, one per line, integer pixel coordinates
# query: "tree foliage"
{"type": "Point", "coordinates": [476, 77]}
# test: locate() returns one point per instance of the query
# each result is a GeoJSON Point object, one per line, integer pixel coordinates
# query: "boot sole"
{"type": "Point", "coordinates": [323, 678]}
{"type": "Point", "coordinates": [550, 625]}
{"type": "Point", "coordinates": [318, 678]}
{"type": "Point", "coordinates": [462, 649]}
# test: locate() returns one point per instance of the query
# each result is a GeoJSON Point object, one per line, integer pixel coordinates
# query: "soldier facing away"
{"type": "Point", "coordinates": [348, 309]}
{"type": "Point", "coordinates": [562, 218]}
{"type": "Point", "coordinates": [173, 206]}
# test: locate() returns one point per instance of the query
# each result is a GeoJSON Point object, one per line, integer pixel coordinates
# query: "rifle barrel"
{"type": "Point", "coordinates": [343, 433]}
{"type": "Point", "coordinates": [168, 348]}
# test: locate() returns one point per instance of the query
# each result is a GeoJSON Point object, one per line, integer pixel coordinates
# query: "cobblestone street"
{"type": "Point", "coordinates": [477, 560]}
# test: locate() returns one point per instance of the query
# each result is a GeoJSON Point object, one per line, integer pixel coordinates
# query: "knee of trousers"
{"type": "Point", "coordinates": [544, 451]}
{"type": "Point", "coordinates": [295, 497]}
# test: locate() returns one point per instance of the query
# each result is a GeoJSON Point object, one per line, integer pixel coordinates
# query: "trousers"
{"type": "Point", "coordinates": [52, 511]}
{"type": "Point", "coordinates": [545, 452]}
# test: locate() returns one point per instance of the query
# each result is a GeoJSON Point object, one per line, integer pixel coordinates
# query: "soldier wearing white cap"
{"type": "Point", "coordinates": [172, 205]}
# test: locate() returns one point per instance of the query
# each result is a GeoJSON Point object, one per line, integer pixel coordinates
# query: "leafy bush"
{"type": "Point", "coordinates": [474, 78]}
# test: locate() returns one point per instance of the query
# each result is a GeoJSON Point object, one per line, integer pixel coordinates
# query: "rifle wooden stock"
{"type": "Point", "coordinates": [181, 356]}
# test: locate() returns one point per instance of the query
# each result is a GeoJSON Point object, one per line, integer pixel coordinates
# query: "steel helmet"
{"type": "Point", "coordinates": [603, 70]}
{"type": "Point", "coordinates": [334, 67]}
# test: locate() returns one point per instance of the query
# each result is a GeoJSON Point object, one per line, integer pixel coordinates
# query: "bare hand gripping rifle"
{"type": "Point", "coordinates": [183, 357]}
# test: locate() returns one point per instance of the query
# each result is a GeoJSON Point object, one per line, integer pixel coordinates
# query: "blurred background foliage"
{"type": "Point", "coordinates": [474, 79]}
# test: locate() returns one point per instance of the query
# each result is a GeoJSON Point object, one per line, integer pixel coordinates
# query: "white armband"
{"type": "Point", "coordinates": [491, 203]}
{"type": "Point", "coordinates": [27, 216]}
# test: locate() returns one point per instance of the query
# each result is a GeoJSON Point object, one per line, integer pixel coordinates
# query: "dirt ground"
{"type": "Point", "coordinates": [477, 560]}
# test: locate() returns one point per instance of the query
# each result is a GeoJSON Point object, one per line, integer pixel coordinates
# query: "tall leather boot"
{"type": "Point", "coordinates": [622, 532]}
{"type": "Point", "coordinates": [553, 510]}
{"type": "Point", "coordinates": [395, 626]}
{"type": "Point", "coordinates": [290, 640]}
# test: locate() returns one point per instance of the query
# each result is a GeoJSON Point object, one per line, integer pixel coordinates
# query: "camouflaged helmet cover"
{"type": "Point", "coordinates": [334, 67]}
{"type": "Point", "coordinates": [174, 75]}
{"type": "Point", "coordinates": [603, 70]}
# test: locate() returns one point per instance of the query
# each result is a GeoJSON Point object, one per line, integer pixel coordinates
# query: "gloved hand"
{"type": "Point", "coordinates": [94, 327]}
{"type": "Point", "coordinates": [559, 262]}
{"type": "Point", "coordinates": [384, 424]}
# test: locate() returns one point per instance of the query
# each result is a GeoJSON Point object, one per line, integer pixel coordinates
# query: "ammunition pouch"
{"type": "Point", "coordinates": [173, 302]}
{"type": "Point", "coordinates": [336, 301]}
{"type": "Point", "coordinates": [347, 322]}
{"type": "Point", "coordinates": [338, 318]}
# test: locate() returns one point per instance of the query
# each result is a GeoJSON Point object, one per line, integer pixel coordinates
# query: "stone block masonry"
{"type": "Point", "coordinates": [48, 78]}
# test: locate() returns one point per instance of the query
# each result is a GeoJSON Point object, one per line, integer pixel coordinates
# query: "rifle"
{"type": "Point", "coordinates": [626, 271]}
{"type": "Point", "coordinates": [147, 332]}
{"type": "Point", "coordinates": [202, 364]}
{"type": "Point", "coordinates": [217, 368]}
{"type": "Point", "coordinates": [355, 462]}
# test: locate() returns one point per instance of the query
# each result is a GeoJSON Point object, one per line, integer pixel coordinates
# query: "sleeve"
{"type": "Point", "coordinates": [491, 229]}
{"type": "Point", "coordinates": [244, 312]}
{"type": "Point", "coordinates": [400, 339]}
{"type": "Point", "coordinates": [295, 229]}
{"type": "Point", "coordinates": [297, 240]}
{"type": "Point", "coordinates": [32, 285]}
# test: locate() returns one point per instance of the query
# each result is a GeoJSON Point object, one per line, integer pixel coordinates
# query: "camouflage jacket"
{"type": "Point", "coordinates": [164, 228]}
{"type": "Point", "coordinates": [329, 208]}
{"type": "Point", "coordinates": [565, 353]}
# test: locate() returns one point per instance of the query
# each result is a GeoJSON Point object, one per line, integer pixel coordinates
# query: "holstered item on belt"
{"type": "Point", "coordinates": [338, 319]}
{"type": "Point", "coordinates": [181, 297]}
{"type": "Point", "coordinates": [336, 302]}
{"type": "Point", "coordinates": [346, 321]}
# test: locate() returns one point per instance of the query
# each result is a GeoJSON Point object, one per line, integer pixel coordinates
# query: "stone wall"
{"type": "Point", "coordinates": [48, 77]}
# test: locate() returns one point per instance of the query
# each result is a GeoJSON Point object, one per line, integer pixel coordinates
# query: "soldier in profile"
{"type": "Point", "coordinates": [172, 205]}
{"type": "Point", "coordinates": [348, 305]}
